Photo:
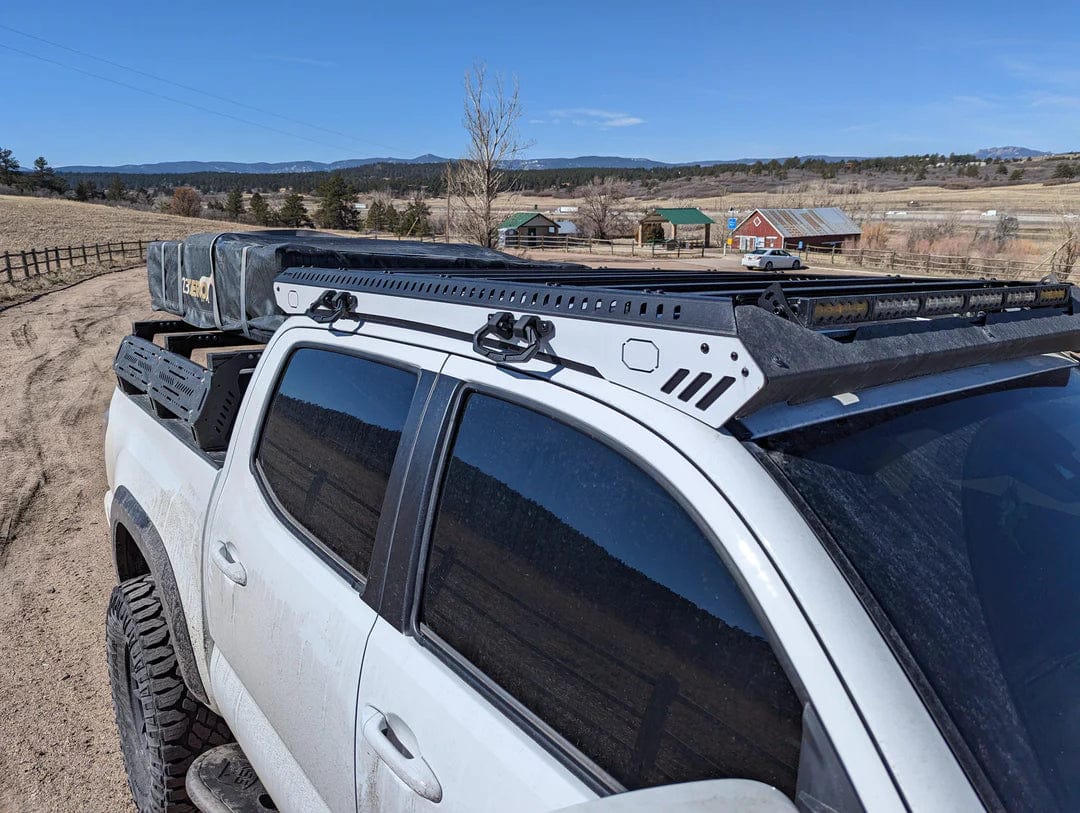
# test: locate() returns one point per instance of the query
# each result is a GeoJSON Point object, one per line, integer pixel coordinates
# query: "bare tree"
{"type": "Point", "coordinates": [1067, 254]}
{"type": "Point", "coordinates": [491, 120]}
{"type": "Point", "coordinates": [186, 202]}
{"type": "Point", "coordinates": [601, 208]}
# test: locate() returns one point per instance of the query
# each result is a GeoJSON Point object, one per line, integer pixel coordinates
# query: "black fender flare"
{"type": "Point", "coordinates": [127, 512]}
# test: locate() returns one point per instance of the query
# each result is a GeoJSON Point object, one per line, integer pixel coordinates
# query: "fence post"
{"type": "Point", "coordinates": [7, 266]}
{"type": "Point", "coordinates": [123, 251]}
{"type": "Point", "coordinates": [48, 267]}
{"type": "Point", "coordinates": [25, 265]}
{"type": "Point", "coordinates": [97, 251]}
{"type": "Point", "coordinates": [109, 246]}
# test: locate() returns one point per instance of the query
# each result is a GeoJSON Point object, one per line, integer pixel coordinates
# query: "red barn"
{"type": "Point", "coordinates": [794, 228]}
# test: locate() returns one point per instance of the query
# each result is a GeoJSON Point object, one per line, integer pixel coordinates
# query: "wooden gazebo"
{"type": "Point", "coordinates": [689, 216]}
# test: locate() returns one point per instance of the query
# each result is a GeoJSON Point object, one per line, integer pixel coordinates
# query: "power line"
{"type": "Point", "coordinates": [172, 99]}
{"type": "Point", "coordinates": [192, 89]}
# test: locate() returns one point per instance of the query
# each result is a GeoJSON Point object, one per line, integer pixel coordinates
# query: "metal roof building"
{"type": "Point", "coordinates": [788, 228]}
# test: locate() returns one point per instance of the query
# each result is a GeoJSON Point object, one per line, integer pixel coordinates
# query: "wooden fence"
{"type": "Point", "coordinates": [594, 245]}
{"type": "Point", "coordinates": [16, 265]}
{"type": "Point", "coordinates": [931, 264]}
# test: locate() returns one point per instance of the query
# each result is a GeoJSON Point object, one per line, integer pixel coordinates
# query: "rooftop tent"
{"type": "Point", "coordinates": [225, 280]}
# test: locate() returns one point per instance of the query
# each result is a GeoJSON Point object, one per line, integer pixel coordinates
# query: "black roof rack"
{"type": "Point", "coordinates": [809, 335]}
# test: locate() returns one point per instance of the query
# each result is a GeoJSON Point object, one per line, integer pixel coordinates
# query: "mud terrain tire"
{"type": "Point", "coordinates": [162, 726]}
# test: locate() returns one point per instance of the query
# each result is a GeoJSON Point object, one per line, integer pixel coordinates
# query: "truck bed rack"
{"type": "Point", "coordinates": [204, 400]}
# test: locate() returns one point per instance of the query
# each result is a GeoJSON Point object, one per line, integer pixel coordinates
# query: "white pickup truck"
{"type": "Point", "coordinates": [494, 541]}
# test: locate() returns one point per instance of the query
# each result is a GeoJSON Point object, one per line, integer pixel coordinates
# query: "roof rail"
{"type": "Point", "coordinates": [714, 344]}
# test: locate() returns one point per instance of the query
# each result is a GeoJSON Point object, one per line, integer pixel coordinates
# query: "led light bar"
{"type": "Point", "coordinates": [823, 312]}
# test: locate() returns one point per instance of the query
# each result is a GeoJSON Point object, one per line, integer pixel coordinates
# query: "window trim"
{"type": "Point", "coordinates": [356, 580]}
{"type": "Point", "coordinates": [565, 752]}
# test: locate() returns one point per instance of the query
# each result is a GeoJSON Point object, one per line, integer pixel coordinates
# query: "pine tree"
{"type": "Point", "coordinates": [234, 204]}
{"type": "Point", "coordinates": [45, 176]}
{"type": "Point", "coordinates": [336, 199]}
{"type": "Point", "coordinates": [293, 213]}
{"type": "Point", "coordinates": [415, 220]}
{"type": "Point", "coordinates": [375, 215]}
{"type": "Point", "coordinates": [82, 191]}
{"type": "Point", "coordinates": [9, 168]}
{"type": "Point", "coordinates": [115, 191]}
{"type": "Point", "coordinates": [390, 217]}
{"type": "Point", "coordinates": [260, 210]}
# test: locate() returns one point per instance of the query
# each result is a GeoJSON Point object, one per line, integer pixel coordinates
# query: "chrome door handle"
{"type": "Point", "coordinates": [397, 747]}
{"type": "Point", "coordinates": [223, 556]}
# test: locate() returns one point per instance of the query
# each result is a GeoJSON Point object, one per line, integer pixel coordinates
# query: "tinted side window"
{"type": "Point", "coordinates": [577, 583]}
{"type": "Point", "coordinates": [328, 444]}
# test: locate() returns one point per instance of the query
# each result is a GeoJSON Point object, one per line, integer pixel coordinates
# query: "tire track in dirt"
{"type": "Point", "coordinates": [58, 746]}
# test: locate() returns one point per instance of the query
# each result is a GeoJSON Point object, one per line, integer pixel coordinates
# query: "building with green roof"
{"type": "Point", "coordinates": [526, 229]}
{"type": "Point", "coordinates": [659, 219]}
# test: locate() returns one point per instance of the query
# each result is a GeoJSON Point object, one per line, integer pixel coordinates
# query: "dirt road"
{"type": "Point", "coordinates": [58, 746]}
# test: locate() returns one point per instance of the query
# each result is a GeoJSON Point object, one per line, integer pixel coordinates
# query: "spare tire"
{"type": "Point", "coordinates": [162, 726]}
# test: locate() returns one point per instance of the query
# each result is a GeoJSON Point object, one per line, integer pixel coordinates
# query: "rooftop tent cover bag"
{"type": "Point", "coordinates": [226, 280]}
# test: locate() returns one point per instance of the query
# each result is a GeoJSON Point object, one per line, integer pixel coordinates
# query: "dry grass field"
{"type": "Point", "coordinates": [27, 222]}
{"type": "Point", "coordinates": [1015, 199]}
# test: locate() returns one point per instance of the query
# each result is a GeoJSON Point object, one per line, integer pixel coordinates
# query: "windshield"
{"type": "Point", "coordinates": [962, 521]}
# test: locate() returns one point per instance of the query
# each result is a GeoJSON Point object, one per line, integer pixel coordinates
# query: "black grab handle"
{"type": "Point", "coordinates": [331, 306]}
{"type": "Point", "coordinates": [530, 329]}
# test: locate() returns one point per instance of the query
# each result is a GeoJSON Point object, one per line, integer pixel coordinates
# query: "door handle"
{"type": "Point", "coordinates": [223, 556]}
{"type": "Point", "coordinates": [396, 745]}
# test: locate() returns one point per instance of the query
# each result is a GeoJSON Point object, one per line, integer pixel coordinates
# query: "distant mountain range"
{"type": "Point", "coordinates": [184, 167]}
{"type": "Point", "coordinates": [1009, 152]}
{"type": "Point", "coordinates": [581, 161]}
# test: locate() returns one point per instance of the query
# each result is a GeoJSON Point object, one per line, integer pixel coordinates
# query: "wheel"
{"type": "Point", "coordinates": [768, 266]}
{"type": "Point", "coordinates": [162, 726]}
{"type": "Point", "coordinates": [795, 266]}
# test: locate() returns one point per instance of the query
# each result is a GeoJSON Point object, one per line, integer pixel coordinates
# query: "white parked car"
{"type": "Point", "coordinates": [769, 258]}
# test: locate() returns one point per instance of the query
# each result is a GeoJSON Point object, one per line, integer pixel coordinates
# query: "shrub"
{"type": "Point", "coordinates": [186, 202]}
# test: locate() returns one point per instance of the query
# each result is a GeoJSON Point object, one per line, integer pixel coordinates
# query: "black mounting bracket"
{"type": "Point", "coordinates": [503, 325]}
{"type": "Point", "coordinates": [331, 306]}
{"type": "Point", "coordinates": [773, 300]}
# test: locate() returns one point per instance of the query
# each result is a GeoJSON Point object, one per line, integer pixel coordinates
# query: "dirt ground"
{"type": "Point", "coordinates": [58, 745]}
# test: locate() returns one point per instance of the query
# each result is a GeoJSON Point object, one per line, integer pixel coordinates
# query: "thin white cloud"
{"type": "Point", "coordinates": [593, 117]}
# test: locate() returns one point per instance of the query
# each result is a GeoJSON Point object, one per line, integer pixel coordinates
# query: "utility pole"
{"type": "Point", "coordinates": [448, 179]}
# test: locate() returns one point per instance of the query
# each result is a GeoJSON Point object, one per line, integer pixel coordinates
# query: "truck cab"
{"type": "Point", "coordinates": [484, 541]}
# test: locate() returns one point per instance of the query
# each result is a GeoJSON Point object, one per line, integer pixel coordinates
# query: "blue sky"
{"type": "Point", "coordinates": [674, 81]}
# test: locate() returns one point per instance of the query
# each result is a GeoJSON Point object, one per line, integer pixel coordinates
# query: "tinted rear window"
{"type": "Point", "coordinates": [328, 444]}
{"type": "Point", "coordinates": [579, 585]}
